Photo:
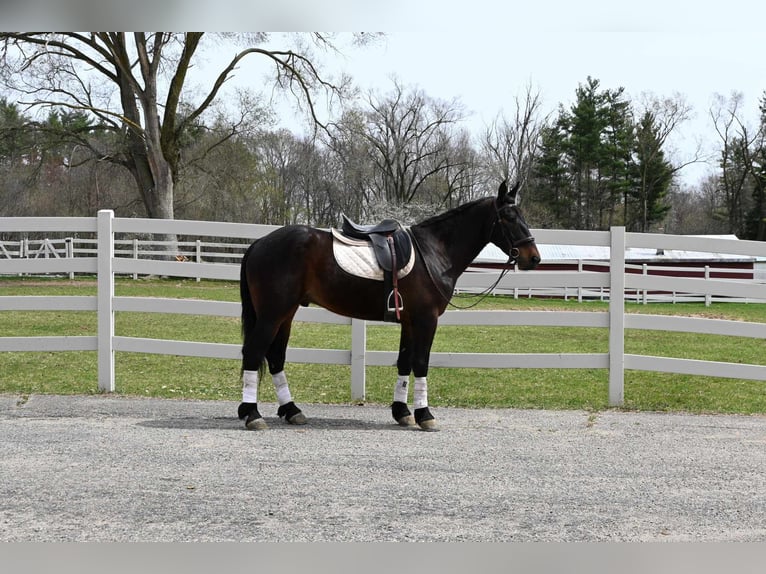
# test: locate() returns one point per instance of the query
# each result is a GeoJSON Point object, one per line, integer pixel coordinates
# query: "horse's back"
{"type": "Point", "coordinates": [283, 246]}
{"type": "Point", "coordinates": [282, 262]}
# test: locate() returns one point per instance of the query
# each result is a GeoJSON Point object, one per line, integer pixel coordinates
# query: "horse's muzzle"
{"type": "Point", "coordinates": [528, 257]}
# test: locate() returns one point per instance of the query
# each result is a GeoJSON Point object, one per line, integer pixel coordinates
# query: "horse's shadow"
{"type": "Point", "coordinates": [275, 424]}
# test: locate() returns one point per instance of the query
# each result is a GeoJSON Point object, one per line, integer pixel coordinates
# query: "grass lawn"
{"type": "Point", "coordinates": [187, 377]}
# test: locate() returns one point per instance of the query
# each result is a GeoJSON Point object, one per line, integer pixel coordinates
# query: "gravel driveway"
{"type": "Point", "coordinates": [110, 468]}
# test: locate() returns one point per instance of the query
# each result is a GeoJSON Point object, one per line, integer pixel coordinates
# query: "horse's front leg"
{"type": "Point", "coordinates": [399, 410]}
{"type": "Point", "coordinates": [422, 337]}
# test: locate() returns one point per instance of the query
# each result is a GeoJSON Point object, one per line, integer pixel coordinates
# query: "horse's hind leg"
{"type": "Point", "coordinates": [276, 358]}
{"type": "Point", "coordinates": [256, 341]}
{"type": "Point", "coordinates": [248, 408]}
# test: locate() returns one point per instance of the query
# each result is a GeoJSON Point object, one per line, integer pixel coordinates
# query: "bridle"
{"type": "Point", "coordinates": [513, 254]}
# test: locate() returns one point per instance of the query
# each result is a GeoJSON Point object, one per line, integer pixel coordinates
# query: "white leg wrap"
{"type": "Point", "coordinates": [280, 386]}
{"type": "Point", "coordinates": [401, 389]}
{"type": "Point", "coordinates": [250, 387]}
{"type": "Point", "coordinates": [421, 393]}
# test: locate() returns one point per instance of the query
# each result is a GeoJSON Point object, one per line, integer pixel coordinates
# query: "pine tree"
{"type": "Point", "coordinates": [583, 171]}
{"type": "Point", "coordinates": [551, 182]}
{"type": "Point", "coordinates": [646, 203]}
{"type": "Point", "coordinates": [755, 218]}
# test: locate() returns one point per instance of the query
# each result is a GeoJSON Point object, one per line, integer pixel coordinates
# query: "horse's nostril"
{"type": "Point", "coordinates": [535, 260]}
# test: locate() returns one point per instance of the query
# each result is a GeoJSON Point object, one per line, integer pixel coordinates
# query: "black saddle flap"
{"type": "Point", "coordinates": [402, 248]}
{"type": "Point", "coordinates": [379, 235]}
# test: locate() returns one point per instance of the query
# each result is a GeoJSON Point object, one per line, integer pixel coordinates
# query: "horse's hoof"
{"type": "Point", "coordinates": [425, 420]}
{"type": "Point", "coordinates": [292, 414]}
{"type": "Point", "coordinates": [429, 426]}
{"type": "Point", "coordinates": [402, 414]}
{"type": "Point", "coordinates": [248, 412]}
{"type": "Point", "coordinates": [407, 421]}
{"type": "Point", "coordinates": [299, 419]}
{"type": "Point", "coordinates": [256, 424]}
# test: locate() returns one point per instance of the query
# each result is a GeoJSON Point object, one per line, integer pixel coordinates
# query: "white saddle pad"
{"type": "Point", "coordinates": [356, 256]}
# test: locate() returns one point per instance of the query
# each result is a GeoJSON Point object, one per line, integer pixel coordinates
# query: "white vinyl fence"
{"type": "Point", "coordinates": [106, 261]}
{"type": "Point", "coordinates": [217, 251]}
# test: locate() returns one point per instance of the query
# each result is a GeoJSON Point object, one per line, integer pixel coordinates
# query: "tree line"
{"type": "Point", "coordinates": [92, 121]}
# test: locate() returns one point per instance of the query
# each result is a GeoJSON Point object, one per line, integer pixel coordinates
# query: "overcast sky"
{"type": "Point", "coordinates": [485, 52]}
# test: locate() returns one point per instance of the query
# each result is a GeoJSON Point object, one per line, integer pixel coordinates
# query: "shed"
{"type": "Point", "coordinates": [670, 262]}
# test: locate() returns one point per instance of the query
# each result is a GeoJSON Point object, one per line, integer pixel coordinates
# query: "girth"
{"type": "Point", "coordinates": [392, 246]}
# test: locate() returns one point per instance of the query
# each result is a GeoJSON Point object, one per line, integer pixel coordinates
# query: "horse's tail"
{"type": "Point", "coordinates": [248, 310]}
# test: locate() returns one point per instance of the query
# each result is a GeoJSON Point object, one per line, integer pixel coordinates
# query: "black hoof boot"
{"type": "Point", "coordinates": [402, 414]}
{"type": "Point", "coordinates": [425, 420]}
{"type": "Point", "coordinates": [248, 412]}
{"type": "Point", "coordinates": [292, 414]}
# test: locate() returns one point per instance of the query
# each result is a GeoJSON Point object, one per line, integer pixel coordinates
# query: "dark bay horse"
{"type": "Point", "coordinates": [294, 265]}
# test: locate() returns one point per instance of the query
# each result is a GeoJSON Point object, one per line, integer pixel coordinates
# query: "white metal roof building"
{"type": "Point", "coordinates": [551, 253]}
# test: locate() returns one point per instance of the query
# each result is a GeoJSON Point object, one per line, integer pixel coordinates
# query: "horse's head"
{"type": "Point", "coordinates": [510, 232]}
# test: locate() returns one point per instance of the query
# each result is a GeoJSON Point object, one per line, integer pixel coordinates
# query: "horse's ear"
{"type": "Point", "coordinates": [504, 195]}
{"type": "Point", "coordinates": [514, 191]}
{"type": "Point", "coordinates": [502, 190]}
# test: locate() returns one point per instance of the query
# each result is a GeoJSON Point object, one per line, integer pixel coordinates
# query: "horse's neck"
{"type": "Point", "coordinates": [455, 242]}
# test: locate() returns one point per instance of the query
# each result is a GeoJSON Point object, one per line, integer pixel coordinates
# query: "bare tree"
{"type": "Point", "coordinates": [737, 157]}
{"type": "Point", "coordinates": [409, 141]}
{"type": "Point", "coordinates": [668, 114]}
{"type": "Point", "coordinates": [347, 158]}
{"type": "Point", "coordinates": [658, 118]}
{"type": "Point", "coordinates": [134, 84]}
{"type": "Point", "coordinates": [697, 210]}
{"type": "Point", "coordinates": [510, 144]}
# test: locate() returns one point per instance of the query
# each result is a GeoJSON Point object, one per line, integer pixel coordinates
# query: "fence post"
{"type": "Point", "coordinates": [358, 350]}
{"type": "Point", "coordinates": [645, 272]}
{"type": "Point", "coordinates": [515, 289]}
{"type": "Point", "coordinates": [105, 298]}
{"type": "Point", "coordinates": [135, 254]}
{"type": "Point", "coordinates": [617, 317]}
{"type": "Point", "coordinates": [69, 244]}
{"type": "Point", "coordinates": [199, 255]}
{"type": "Point", "coordinates": [708, 297]}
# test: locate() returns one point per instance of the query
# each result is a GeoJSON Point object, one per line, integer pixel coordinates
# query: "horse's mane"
{"type": "Point", "coordinates": [450, 213]}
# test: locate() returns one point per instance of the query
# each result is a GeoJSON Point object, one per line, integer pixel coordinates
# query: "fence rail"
{"type": "Point", "coordinates": [203, 253]}
{"type": "Point", "coordinates": [105, 262]}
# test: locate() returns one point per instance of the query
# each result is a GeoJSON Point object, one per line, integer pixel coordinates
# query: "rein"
{"type": "Point", "coordinates": [513, 255]}
{"type": "Point", "coordinates": [487, 292]}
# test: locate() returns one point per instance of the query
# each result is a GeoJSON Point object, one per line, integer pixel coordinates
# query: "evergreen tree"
{"type": "Point", "coordinates": [586, 123]}
{"type": "Point", "coordinates": [551, 183]}
{"type": "Point", "coordinates": [646, 202]}
{"type": "Point", "coordinates": [583, 170]}
{"type": "Point", "coordinates": [755, 218]}
{"type": "Point", "coordinates": [617, 161]}
{"type": "Point", "coordinates": [16, 169]}
{"type": "Point", "coordinates": [13, 138]}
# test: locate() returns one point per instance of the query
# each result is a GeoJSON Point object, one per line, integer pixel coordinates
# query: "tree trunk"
{"type": "Point", "coordinates": [159, 202]}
